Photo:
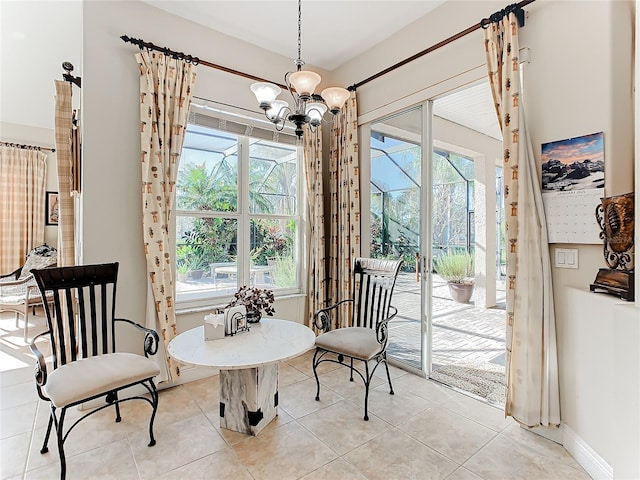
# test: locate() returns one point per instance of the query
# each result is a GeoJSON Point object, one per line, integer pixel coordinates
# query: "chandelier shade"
{"type": "Point", "coordinates": [266, 93]}
{"type": "Point", "coordinates": [304, 82]}
{"type": "Point", "coordinates": [308, 107]}
{"type": "Point", "coordinates": [315, 111]}
{"type": "Point", "coordinates": [277, 110]}
{"type": "Point", "coordinates": [335, 98]}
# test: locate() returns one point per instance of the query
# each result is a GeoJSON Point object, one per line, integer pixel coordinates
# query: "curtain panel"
{"type": "Point", "coordinates": [64, 158]}
{"type": "Point", "coordinates": [344, 178]}
{"type": "Point", "coordinates": [166, 88]}
{"type": "Point", "coordinates": [316, 275]}
{"type": "Point", "coordinates": [23, 175]}
{"type": "Point", "coordinates": [532, 372]}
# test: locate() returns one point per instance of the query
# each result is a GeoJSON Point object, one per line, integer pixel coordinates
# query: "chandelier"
{"type": "Point", "coordinates": [309, 107]}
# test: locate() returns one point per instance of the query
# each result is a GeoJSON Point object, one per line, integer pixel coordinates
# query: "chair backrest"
{"type": "Point", "coordinates": [80, 318]}
{"type": "Point", "coordinates": [373, 283]}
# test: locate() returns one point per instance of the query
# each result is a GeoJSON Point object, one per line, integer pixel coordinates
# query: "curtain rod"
{"type": "Point", "coordinates": [27, 147]}
{"type": "Point", "coordinates": [195, 60]}
{"type": "Point", "coordinates": [68, 68]}
{"type": "Point", "coordinates": [516, 8]}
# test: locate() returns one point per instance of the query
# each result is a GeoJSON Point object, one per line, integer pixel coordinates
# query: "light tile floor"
{"type": "Point", "coordinates": [424, 431]}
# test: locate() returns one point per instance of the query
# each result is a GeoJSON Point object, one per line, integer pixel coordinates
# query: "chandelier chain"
{"type": "Point", "coordinates": [309, 108]}
{"type": "Point", "coordinates": [299, 32]}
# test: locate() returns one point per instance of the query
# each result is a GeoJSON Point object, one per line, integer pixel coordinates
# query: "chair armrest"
{"type": "Point", "coordinates": [151, 338]}
{"type": "Point", "coordinates": [23, 281]}
{"type": "Point", "coordinates": [323, 316]}
{"type": "Point", "coordinates": [15, 274]}
{"type": "Point", "coordinates": [41, 364]}
{"type": "Point", "coordinates": [382, 327]}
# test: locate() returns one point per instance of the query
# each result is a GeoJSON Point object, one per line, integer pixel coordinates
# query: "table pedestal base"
{"type": "Point", "coordinates": [248, 398]}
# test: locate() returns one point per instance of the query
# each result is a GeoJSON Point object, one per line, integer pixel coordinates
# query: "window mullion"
{"type": "Point", "coordinates": [244, 233]}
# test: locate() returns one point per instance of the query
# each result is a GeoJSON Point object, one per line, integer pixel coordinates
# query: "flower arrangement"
{"type": "Point", "coordinates": [255, 300]}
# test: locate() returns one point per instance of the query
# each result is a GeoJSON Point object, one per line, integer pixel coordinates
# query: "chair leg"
{"type": "Point", "coordinates": [154, 399]}
{"type": "Point", "coordinates": [60, 436]}
{"type": "Point", "coordinates": [366, 390]}
{"type": "Point", "coordinates": [386, 366]}
{"type": "Point", "coordinates": [117, 404]}
{"type": "Point", "coordinates": [315, 372]}
{"type": "Point", "coordinates": [45, 444]}
{"type": "Point", "coordinates": [351, 370]}
{"type": "Point", "coordinates": [25, 335]}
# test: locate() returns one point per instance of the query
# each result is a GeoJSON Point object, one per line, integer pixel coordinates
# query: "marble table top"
{"type": "Point", "coordinates": [268, 341]}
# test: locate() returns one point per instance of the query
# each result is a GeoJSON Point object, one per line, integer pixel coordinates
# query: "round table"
{"type": "Point", "coordinates": [248, 364]}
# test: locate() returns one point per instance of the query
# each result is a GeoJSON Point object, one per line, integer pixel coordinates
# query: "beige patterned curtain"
{"type": "Point", "coordinates": [166, 88]}
{"type": "Point", "coordinates": [344, 177]}
{"type": "Point", "coordinates": [316, 283]}
{"type": "Point", "coordinates": [22, 182]}
{"type": "Point", "coordinates": [532, 372]}
{"type": "Point", "coordinates": [64, 158]}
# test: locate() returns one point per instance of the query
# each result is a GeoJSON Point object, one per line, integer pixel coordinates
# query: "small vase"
{"type": "Point", "coordinates": [253, 317]}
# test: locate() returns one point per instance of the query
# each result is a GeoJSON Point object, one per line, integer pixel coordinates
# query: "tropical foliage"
{"type": "Point", "coordinates": [395, 214]}
{"type": "Point", "coordinates": [207, 200]}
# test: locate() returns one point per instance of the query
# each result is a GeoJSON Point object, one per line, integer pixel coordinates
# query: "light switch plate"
{"type": "Point", "coordinates": [566, 258]}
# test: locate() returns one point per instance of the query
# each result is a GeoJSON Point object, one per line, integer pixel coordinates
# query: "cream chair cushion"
{"type": "Point", "coordinates": [91, 376]}
{"type": "Point", "coordinates": [357, 342]}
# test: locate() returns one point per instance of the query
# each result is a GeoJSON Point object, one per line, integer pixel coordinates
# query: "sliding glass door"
{"type": "Point", "coordinates": [398, 225]}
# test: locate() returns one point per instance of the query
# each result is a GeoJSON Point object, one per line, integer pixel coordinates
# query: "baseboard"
{"type": "Point", "coordinates": [555, 434]}
{"type": "Point", "coordinates": [586, 456]}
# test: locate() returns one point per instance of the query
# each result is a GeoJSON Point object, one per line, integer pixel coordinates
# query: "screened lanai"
{"type": "Point", "coordinates": [456, 333]}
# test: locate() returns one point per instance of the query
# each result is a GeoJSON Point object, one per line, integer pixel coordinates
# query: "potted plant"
{"type": "Point", "coordinates": [182, 269]}
{"type": "Point", "coordinates": [457, 270]}
{"type": "Point", "coordinates": [255, 300]}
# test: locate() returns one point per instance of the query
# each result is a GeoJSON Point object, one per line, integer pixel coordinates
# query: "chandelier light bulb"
{"type": "Point", "coordinates": [335, 98]}
{"type": "Point", "coordinates": [304, 82]}
{"type": "Point", "coordinates": [315, 112]}
{"type": "Point", "coordinates": [265, 93]}
{"type": "Point", "coordinates": [277, 110]}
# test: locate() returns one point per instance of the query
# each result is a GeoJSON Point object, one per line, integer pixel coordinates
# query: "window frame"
{"type": "Point", "coordinates": [196, 299]}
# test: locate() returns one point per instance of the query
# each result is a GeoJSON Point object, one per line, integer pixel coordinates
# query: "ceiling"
{"type": "Point", "coordinates": [326, 24]}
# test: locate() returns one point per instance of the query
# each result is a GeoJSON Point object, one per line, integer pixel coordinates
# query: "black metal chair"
{"type": "Point", "coordinates": [82, 333]}
{"type": "Point", "coordinates": [365, 339]}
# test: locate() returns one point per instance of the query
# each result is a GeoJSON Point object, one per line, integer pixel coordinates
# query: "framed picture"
{"type": "Point", "coordinates": [51, 212]}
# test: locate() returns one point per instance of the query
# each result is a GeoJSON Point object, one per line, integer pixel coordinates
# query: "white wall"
{"type": "Point", "coordinates": [37, 36]}
{"type": "Point", "coordinates": [579, 81]}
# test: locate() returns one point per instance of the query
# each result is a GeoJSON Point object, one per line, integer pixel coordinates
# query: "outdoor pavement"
{"type": "Point", "coordinates": [461, 332]}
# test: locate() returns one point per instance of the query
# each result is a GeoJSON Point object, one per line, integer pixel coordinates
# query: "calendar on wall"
{"type": "Point", "coordinates": [572, 188]}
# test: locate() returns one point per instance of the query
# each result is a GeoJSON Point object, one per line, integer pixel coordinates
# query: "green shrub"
{"type": "Point", "coordinates": [455, 267]}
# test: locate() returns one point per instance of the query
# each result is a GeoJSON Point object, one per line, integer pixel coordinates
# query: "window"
{"type": "Point", "coordinates": [237, 210]}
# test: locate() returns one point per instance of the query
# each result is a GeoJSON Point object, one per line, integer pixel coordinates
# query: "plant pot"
{"type": "Point", "coordinates": [182, 277]}
{"type": "Point", "coordinates": [197, 274]}
{"type": "Point", "coordinates": [253, 317]}
{"type": "Point", "coordinates": [461, 292]}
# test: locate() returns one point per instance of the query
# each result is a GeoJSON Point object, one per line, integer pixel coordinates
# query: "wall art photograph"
{"type": "Point", "coordinates": [573, 164]}
{"type": "Point", "coordinates": [51, 213]}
